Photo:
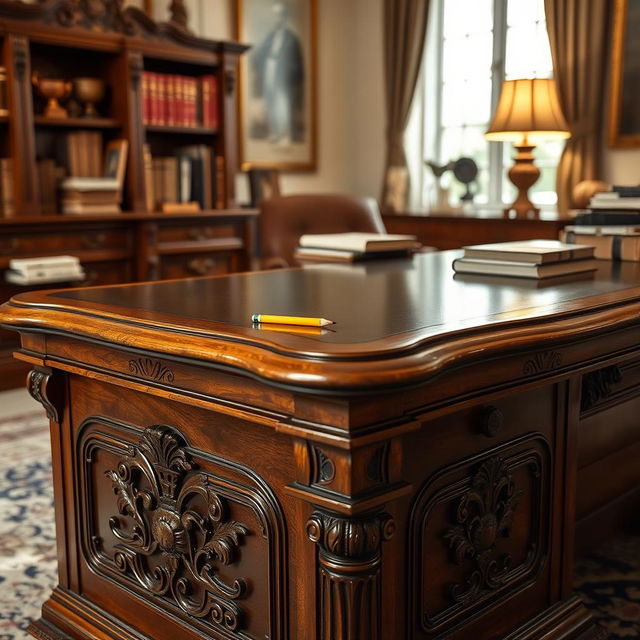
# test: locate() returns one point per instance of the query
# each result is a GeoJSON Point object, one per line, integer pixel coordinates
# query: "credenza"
{"type": "Point", "coordinates": [445, 230]}
{"type": "Point", "coordinates": [418, 470]}
{"type": "Point", "coordinates": [124, 248]}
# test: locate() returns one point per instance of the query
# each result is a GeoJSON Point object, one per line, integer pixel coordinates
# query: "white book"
{"type": "Point", "coordinates": [36, 264]}
{"type": "Point", "coordinates": [91, 184]}
{"type": "Point", "coordinates": [619, 203]}
{"type": "Point", "coordinates": [530, 251]}
{"type": "Point", "coordinates": [26, 279]}
{"type": "Point", "coordinates": [598, 230]}
{"type": "Point", "coordinates": [522, 269]}
{"type": "Point", "coordinates": [359, 242]}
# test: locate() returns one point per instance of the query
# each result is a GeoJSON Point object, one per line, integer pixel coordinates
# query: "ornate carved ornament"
{"type": "Point", "coordinates": [350, 538]}
{"type": "Point", "coordinates": [597, 385]}
{"type": "Point", "coordinates": [485, 513]}
{"type": "Point", "coordinates": [542, 362]}
{"type": "Point", "coordinates": [37, 382]}
{"type": "Point", "coordinates": [323, 470]}
{"type": "Point", "coordinates": [151, 369]}
{"type": "Point", "coordinates": [171, 513]}
{"type": "Point", "coordinates": [111, 16]}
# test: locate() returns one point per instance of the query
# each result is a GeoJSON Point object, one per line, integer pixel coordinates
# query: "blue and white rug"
{"type": "Point", "coordinates": [608, 582]}
{"type": "Point", "coordinates": [28, 566]}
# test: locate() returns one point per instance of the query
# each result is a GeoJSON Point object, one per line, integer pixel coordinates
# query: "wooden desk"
{"type": "Point", "coordinates": [455, 230]}
{"type": "Point", "coordinates": [413, 472]}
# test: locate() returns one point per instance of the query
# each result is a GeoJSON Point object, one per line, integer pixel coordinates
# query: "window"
{"type": "Point", "coordinates": [472, 46]}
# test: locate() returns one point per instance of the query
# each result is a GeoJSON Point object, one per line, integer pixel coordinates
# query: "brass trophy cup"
{"type": "Point", "coordinates": [53, 89]}
{"type": "Point", "coordinates": [89, 91]}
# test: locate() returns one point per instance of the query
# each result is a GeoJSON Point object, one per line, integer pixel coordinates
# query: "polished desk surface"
{"type": "Point", "coordinates": [400, 316]}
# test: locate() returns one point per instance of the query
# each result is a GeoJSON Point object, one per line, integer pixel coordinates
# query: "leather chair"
{"type": "Point", "coordinates": [284, 219]}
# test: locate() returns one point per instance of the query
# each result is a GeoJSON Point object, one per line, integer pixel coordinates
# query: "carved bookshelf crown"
{"type": "Point", "coordinates": [107, 17]}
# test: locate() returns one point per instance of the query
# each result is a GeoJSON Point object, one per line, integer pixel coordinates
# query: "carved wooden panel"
{"type": "Point", "coordinates": [479, 532]}
{"type": "Point", "coordinates": [196, 536]}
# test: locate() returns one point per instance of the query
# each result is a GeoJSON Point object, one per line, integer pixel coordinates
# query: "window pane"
{"type": "Point", "coordinates": [467, 58]}
{"type": "Point", "coordinates": [520, 61]}
{"type": "Point", "coordinates": [524, 12]}
{"type": "Point", "coordinates": [453, 103]}
{"type": "Point", "coordinates": [477, 102]}
{"type": "Point", "coordinates": [467, 16]}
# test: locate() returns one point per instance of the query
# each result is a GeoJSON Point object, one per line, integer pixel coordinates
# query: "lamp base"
{"type": "Point", "coordinates": [523, 174]}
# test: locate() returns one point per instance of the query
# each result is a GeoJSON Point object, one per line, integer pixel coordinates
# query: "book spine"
{"type": "Point", "coordinates": [6, 177]}
{"type": "Point", "coordinates": [205, 103]}
{"type": "Point", "coordinates": [193, 102]}
{"type": "Point", "coordinates": [213, 83]}
{"type": "Point", "coordinates": [153, 98]}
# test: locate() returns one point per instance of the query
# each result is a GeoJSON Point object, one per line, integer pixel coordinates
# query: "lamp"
{"type": "Point", "coordinates": [528, 110]}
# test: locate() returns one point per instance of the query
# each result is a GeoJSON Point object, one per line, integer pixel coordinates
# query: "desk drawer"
{"type": "Point", "coordinates": [61, 241]}
{"type": "Point", "coordinates": [195, 232]}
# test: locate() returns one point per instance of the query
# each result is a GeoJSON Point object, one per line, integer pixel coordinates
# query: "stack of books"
{"type": "Point", "coordinates": [351, 247]}
{"type": "Point", "coordinates": [527, 259]}
{"type": "Point", "coordinates": [82, 196]}
{"type": "Point", "coordinates": [611, 224]}
{"type": "Point", "coordinates": [32, 271]}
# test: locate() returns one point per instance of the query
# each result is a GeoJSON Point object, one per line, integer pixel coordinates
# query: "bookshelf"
{"type": "Point", "coordinates": [119, 47]}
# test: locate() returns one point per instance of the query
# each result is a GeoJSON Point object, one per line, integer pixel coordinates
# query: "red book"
{"type": "Point", "coordinates": [205, 100]}
{"type": "Point", "coordinates": [153, 98]}
{"type": "Point", "coordinates": [195, 116]}
{"type": "Point", "coordinates": [180, 110]}
{"type": "Point", "coordinates": [171, 100]}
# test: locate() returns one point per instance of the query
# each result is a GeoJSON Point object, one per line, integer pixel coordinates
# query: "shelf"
{"type": "Point", "coordinates": [77, 123]}
{"type": "Point", "coordinates": [198, 131]}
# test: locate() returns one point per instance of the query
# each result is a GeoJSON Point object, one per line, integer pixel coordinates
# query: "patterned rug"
{"type": "Point", "coordinates": [608, 582]}
{"type": "Point", "coordinates": [27, 536]}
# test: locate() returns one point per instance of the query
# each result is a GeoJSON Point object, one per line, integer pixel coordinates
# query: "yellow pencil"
{"type": "Point", "coordinates": [307, 322]}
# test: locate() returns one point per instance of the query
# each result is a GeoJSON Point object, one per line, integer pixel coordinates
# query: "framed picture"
{"type": "Point", "coordinates": [278, 84]}
{"type": "Point", "coordinates": [624, 105]}
{"type": "Point", "coordinates": [115, 160]}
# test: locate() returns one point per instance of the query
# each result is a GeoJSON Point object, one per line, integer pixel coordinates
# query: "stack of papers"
{"type": "Point", "coordinates": [29, 271]}
{"type": "Point", "coordinates": [527, 259]}
{"type": "Point", "coordinates": [350, 247]}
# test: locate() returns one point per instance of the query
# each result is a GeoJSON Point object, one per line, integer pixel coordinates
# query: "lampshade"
{"type": "Point", "coordinates": [530, 108]}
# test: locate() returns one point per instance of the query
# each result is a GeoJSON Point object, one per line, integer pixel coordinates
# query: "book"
{"type": "Point", "coordinates": [603, 230]}
{"type": "Point", "coordinates": [78, 208]}
{"type": "Point", "coordinates": [625, 191]}
{"type": "Point", "coordinates": [7, 201]}
{"type": "Point", "coordinates": [608, 218]}
{"type": "Point", "coordinates": [607, 246]}
{"type": "Point", "coordinates": [43, 278]}
{"type": "Point", "coordinates": [315, 254]}
{"type": "Point", "coordinates": [26, 265]}
{"type": "Point", "coordinates": [523, 269]}
{"type": "Point", "coordinates": [91, 184]}
{"type": "Point", "coordinates": [359, 242]}
{"type": "Point", "coordinates": [534, 251]}
{"type": "Point", "coordinates": [614, 203]}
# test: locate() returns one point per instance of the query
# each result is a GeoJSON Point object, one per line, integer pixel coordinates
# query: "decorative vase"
{"type": "Point", "coordinates": [53, 89]}
{"type": "Point", "coordinates": [89, 91]}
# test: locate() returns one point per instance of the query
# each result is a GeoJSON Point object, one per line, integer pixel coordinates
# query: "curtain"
{"type": "Point", "coordinates": [405, 26]}
{"type": "Point", "coordinates": [577, 34]}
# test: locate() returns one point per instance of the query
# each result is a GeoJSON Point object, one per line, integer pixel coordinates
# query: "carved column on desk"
{"type": "Point", "coordinates": [351, 489]}
{"type": "Point", "coordinates": [21, 130]}
{"type": "Point", "coordinates": [349, 565]}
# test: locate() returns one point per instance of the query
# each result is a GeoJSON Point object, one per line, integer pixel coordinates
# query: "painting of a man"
{"type": "Point", "coordinates": [278, 80]}
{"type": "Point", "coordinates": [278, 83]}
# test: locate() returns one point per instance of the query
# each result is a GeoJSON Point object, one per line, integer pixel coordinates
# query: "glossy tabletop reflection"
{"type": "Point", "coordinates": [369, 302]}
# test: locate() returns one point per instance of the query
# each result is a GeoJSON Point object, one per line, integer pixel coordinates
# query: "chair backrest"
{"type": "Point", "coordinates": [283, 220]}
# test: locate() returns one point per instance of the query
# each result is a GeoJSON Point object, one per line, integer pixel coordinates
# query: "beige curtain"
{"type": "Point", "coordinates": [577, 33]}
{"type": "Point", "coordinates": [405, 26]}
